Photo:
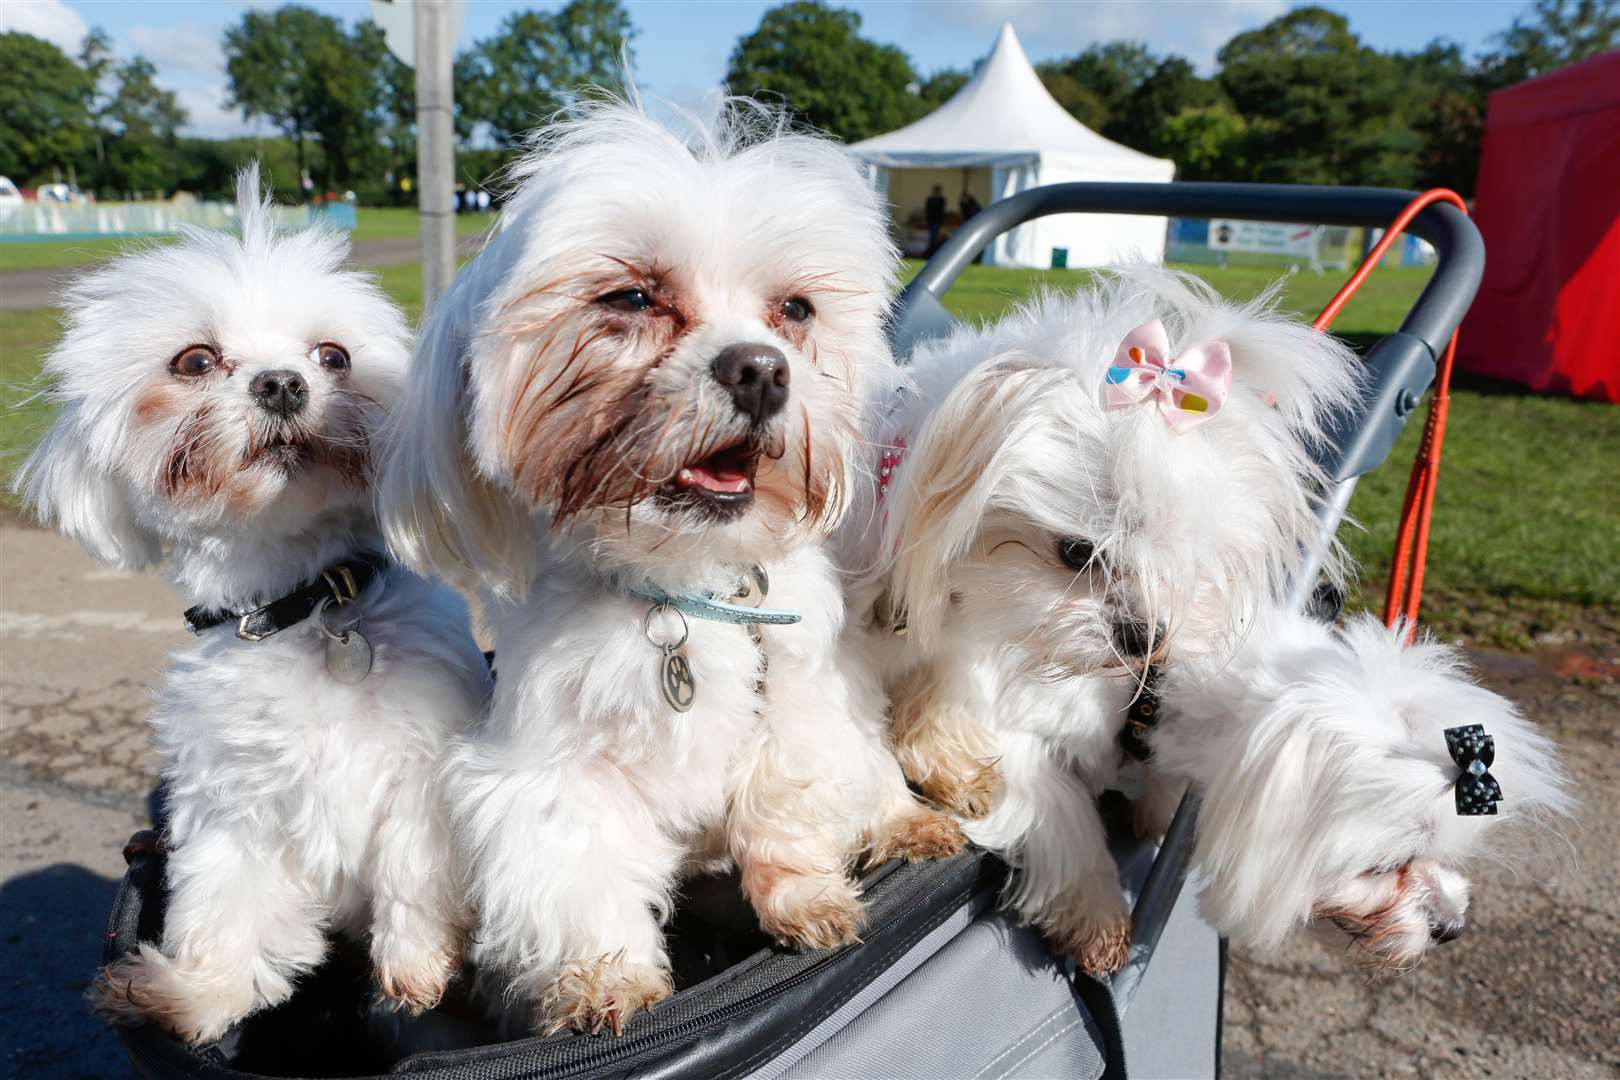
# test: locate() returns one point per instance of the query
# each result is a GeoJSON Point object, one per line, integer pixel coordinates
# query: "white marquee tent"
{"type": "Point", "coordinates": [1000, 134]}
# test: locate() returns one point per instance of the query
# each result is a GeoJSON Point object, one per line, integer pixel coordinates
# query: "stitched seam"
{"type": "Point", "coordinates": [1055, 1037]}
{"type": "Point", "coordinates": [811, 1021]}
{"type": "Point", "coordinates": [1034, 1032]}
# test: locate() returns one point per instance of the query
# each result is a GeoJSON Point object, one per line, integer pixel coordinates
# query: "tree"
{"type": "Point", "coordinates": [1556, 33]}
{"type": "Point", "coordinates": [1321, 107]}
{"type": "Point", "coordinates": [537, 63]}
{"type": "Point", "coordinates": [97, 59]}
{"type": "Point", "coordinates": [1173, 90]}
{"type": "Point", "coordinates": [1077, 99]}
{"type": "Point", "coordinates": [298, 69]}
{"type": "Point", "coordinates": [1109, 73]}
{"type": "Point", "coordinates": [142, 139]}
{"type": "Point", "coordinates": [940, 87]}
{"type": "Point", "coordinates": [44, 124]}
{"type": "Point", "coordinates": [812, 58]}
{"type": "Point", "coordinates": [1206, 142]}
{"type": "Point", "coordinates": [392, 146]}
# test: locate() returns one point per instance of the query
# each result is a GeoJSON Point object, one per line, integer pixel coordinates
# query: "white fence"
{"type": "Point", "coordinates": [58, 221]}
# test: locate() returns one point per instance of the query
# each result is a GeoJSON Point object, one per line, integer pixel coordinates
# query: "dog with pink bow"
{"type": "Point", "coordinates": [1062, 504]}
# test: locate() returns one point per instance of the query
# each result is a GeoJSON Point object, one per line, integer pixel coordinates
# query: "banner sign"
{"type": "Point", "coordinates": [1269, 237]}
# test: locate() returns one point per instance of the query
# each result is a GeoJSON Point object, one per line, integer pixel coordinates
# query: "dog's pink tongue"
{"type": "Point", "coordinates": [714, 476]}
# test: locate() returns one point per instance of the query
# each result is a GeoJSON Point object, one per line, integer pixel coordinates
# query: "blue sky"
{"type": "Point", "coordinates": [682, 46]}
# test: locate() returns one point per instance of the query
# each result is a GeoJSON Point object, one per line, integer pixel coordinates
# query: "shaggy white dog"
{"type": "Point", "coordinates": [635, 413]}
{"type": "Point", "coordinates": [1331, 793]}
{"type": "Point", "coordinates": [218, 400]}
{"type": "Point", "coordinates": [1043, 531]}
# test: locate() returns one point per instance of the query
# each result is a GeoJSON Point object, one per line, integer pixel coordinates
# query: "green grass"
{"type": "Point", "coordinates": [1526, 514]}
{"type": "Point", "coordinates": [56, 254]}
{"type": "Point", "coordinates": [983, 293]}
{"type": "Point", "coordinates": [1526, 518]}
{"type": "Point", "coordinates": [400, 222]}
{"type": "Point", "coordinates": [371, 223]}
{"type": "Point", "coordinates": [25, 337]}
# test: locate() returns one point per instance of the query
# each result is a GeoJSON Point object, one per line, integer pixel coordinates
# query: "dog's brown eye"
{"type": "Point", "coordinates": [797, 308]}
{"type": "Point", "coordinates": [1076, 553]}
{"type": "Point", "coordinates": [333, 357]}
{"type": "Point", "coordinates": [627, 300]}
{"type": "Point", "coordinates": [194, 360]}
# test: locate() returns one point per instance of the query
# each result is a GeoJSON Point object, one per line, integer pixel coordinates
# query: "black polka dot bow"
{"type": "Point", "coordinates": [1474, 751]}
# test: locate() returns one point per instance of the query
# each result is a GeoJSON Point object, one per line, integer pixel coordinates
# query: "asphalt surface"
{"type": "Point", "coordinates": [1530, 991]}
{"type": "Point", "coordinates": [24, 289]}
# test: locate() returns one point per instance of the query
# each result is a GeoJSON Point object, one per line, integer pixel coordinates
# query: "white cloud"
{"type": "Point", "coordinates": [1195, 29]}
{"type": "Point", "coordinates": [209, 117]}
{"type": "Point", "coordinates": [49, 19]}
{"type": "Point", "coordinates": [187, 47]}
{"type": "Point", "coordinates": [191, 62]}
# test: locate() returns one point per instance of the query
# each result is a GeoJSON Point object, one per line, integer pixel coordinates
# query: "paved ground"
{"type": "Point", "coordinates": [22, 289]}
{"type": "Point", "coordinates": [1530, 991]}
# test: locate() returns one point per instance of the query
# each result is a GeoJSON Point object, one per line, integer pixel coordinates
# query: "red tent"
{"type": "Point", "coordinates": [1548, 204]}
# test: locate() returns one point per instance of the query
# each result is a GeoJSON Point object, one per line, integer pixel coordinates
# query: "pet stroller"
{"type": "Point", "coordinates": [943, 984]}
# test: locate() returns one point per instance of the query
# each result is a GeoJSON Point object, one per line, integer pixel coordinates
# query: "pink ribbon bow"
{"type": "Point", "coordinates": [1189, 388]}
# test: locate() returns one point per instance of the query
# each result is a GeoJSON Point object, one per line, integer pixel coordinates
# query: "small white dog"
{"type": "Point", "coordinates": [1344, 785]}
{"type": "Point", "coordinates": [631, 419]}
{"type": "Point", "coordinates": [1099, 483]}
{"type": "Point", "coordinates": [219, 398]}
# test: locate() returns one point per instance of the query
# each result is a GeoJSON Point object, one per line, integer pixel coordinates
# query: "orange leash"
{"type": "Point", "coordinates": [1405, 595]}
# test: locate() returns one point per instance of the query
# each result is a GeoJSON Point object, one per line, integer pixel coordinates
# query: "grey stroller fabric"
{"type": "Point", "coordinates": [994, 1003]}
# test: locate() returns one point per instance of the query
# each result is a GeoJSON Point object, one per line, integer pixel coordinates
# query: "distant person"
{"type": "Point", "coordinates": [934, 215]}
{"type": "Point", "coordinates": [968, 206]}
{"type": "Point", "coordinates": [483, 201]}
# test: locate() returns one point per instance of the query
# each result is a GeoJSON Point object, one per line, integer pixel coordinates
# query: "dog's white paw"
{"type": "Point", "coordinates": [813, 910]}
{"type": "Point", "coordinates": [413, 974]}
{"type": "Point", "coordinates": [922, 834]}
{"type": "Point", "coordinates": [148, 987]}
{"type": "Point", "coordinates": [592, 994]}
{"type": "Point", "coordinates": [1096, 934]}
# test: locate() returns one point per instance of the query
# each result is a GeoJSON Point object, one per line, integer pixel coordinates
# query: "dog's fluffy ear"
{"type": "Point", "coordinates": [1318, 754]}
{"type": "Point", "coordinates": [1431, 687]}
{"type": "Point", "coordinates": [83, 498]}
{"type": "Point", "coordinates": [953, 467]}
{"type": "Point", "coordinates": [440, 514]}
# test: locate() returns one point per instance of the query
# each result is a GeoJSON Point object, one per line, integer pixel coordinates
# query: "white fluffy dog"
{"type": "Point", "coordinates": [218, 399]}
{"type": "Point", "coordinates": [1331, 795]}
{"type": "Point", "coordinates": [1098, 483]}
{"type": "Point", "coordinates": [633, 415]}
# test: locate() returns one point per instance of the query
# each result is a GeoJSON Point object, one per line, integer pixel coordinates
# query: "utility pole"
{"type": "Point", "coordinates": [435, 146]}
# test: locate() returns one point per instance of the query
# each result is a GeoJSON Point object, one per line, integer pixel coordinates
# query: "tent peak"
{"type": "Point", "coordinates": [1004, 113]}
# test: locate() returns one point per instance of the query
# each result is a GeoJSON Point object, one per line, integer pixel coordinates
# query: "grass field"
{"type": "Point", "coordinates": [1526, 515]}
{"type": "Point", "coordinates": [371, 223]}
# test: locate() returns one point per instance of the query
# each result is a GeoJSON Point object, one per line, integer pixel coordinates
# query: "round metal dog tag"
{"type": "Point", "coordinates": [348, 657]}
{"type": "Point", "coordinates": [348, 653]}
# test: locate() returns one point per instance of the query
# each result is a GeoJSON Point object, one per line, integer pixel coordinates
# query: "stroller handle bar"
{"type": "Point", "coordinates": [1438, 311]}
{"type": "Point", "coordinates": [1400, 368]}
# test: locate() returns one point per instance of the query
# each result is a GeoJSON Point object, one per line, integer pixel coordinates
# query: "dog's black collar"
{"type": "Point", "coordinates": [1141, 719]}
{"type": "Point", "coordinates": [343, 581]}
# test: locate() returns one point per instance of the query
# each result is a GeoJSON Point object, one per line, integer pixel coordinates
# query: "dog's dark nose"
{"type": "Point", "coordinates": [1442, 932]}
{"type": "Point", "coordinates": [1135, 638]}
{"type": "Point", "coordinates": [756, 377]}
{"type": "Point", "coordinates": [281, 392]}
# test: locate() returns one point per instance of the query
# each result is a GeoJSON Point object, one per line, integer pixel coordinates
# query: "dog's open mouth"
{"type": "Point", "coordinates": [721, 484]}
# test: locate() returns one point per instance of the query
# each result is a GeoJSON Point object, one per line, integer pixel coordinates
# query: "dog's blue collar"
{"type": "Point", "coordinates": [705, 606]}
